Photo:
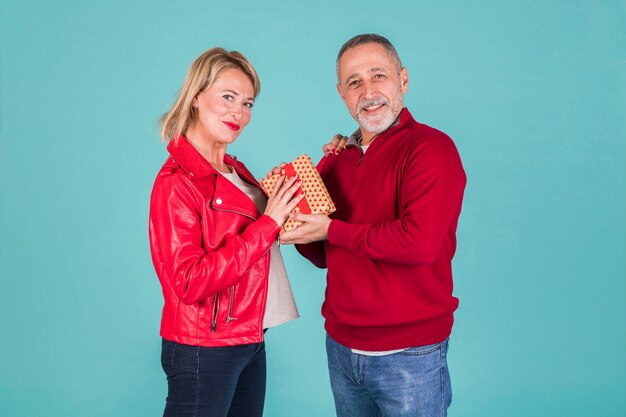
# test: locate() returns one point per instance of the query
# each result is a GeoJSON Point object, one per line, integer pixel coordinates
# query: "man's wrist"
{"type": "Point", "coordinates": [330, 232]}
{"type": "Point", "coordinates": [327, 228]}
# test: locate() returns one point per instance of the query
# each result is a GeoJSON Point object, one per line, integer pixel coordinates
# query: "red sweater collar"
{"type": "Point", "coordinates": [403, 119]}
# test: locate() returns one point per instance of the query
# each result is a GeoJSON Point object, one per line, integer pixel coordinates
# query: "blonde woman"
{"type": "Point", "coordinates": [213, 235]}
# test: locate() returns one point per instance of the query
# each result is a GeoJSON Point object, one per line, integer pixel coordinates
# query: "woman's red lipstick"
{"type": "Point", "coordinates": [232, 126]}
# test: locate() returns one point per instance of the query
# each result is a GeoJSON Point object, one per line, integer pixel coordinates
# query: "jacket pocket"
{"type": "Point", "coordinates": [231, 299]}
{"type": "Point", "coordinates": [215, 314]}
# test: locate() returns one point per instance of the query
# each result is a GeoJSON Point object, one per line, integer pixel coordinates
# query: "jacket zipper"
{"type": "Point", "coordinates": [230, 317]}
{"type": "Point", "coordinates": [216, 304]}
{"type": "Point", "coordinates": [236, 212]}
{"type": "Point", "coordinates": [232, 289]}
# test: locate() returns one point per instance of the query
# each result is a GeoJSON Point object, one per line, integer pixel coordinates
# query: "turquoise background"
{"type": "Point", "coordinates": [531, 91]}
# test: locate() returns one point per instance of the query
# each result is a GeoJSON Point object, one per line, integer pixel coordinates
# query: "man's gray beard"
{"type": "Point", "coordinates": [378, 124]}
{"type": "Point", "coordinates": [381, 123]}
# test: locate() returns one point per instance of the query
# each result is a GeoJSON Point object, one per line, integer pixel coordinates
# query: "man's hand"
{"type": "Point", "coordinates": [336, 144]}
{"type": "Point", "coordinates": [314, 227]}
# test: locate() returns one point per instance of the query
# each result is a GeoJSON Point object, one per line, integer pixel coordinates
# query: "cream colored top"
{"type": "Point", "coordinates": [280, 306]}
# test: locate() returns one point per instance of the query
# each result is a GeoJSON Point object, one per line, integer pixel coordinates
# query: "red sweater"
{"type": "Point", "coordinates": [391, 242]}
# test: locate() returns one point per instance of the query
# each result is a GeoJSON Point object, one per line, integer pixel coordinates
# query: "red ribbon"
{"type": "Point", "coordinates": [303, 205]}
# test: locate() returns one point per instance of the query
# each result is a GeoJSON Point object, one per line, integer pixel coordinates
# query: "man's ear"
{"type": "Point", "coordinates": [404, 80]}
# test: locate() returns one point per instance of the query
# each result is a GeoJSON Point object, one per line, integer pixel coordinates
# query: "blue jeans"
{"type": "Point", "coordinates": [214, 382]}
{"type": "Point", "coordinates": [411, 383]}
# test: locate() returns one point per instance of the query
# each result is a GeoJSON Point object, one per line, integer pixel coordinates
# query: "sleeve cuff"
{"type": "Point", "coordinates": [267, 224]}
{"type": "Point", "coordinates": [340, 233]}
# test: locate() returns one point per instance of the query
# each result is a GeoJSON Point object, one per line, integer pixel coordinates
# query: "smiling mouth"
{"type": "Point", "coordinates": [370, 109]}
{"type": "Point", "coordinates": [232, 126]}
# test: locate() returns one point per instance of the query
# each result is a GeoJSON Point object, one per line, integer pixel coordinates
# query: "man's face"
{"type": "Point", "coordinates": [373, 86]}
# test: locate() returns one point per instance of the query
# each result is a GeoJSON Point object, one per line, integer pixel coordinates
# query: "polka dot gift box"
{"type": "Point", "coordinates": [316, 198]}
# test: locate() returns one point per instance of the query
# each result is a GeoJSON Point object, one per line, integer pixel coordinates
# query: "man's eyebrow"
{"type": "Point", "coordinates": [352, 76]}
{"type": "Point", "coordinates": [369, 71]}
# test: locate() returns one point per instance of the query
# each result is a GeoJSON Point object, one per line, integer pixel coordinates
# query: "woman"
{"type": "Point", "coordinates": [213, 235]}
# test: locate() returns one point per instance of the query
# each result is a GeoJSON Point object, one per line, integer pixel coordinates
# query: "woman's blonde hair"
{"type": "Point", "coordinates": [201, 75]}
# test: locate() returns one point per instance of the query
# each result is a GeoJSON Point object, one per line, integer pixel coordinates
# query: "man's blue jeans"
{"type": "Point", "coordinates": [214, 382]}
{"type": "Point", "coordinates": [411, 383]}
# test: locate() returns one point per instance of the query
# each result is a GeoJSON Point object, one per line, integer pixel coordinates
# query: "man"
{"type": "Point", "coordinates": [398, 187]}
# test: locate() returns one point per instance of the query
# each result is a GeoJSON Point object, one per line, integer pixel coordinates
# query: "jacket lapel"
{"type": "Point", "coordinates": [227, 197]}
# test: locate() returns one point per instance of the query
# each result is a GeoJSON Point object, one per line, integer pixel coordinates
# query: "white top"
{"type": "Point", "coordinates": [377, 353]}
{"type": "Point", "coordinates": [280, 306]}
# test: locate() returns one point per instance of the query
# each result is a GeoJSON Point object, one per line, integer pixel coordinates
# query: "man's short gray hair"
{"type": "Point", "coordinates": [369, 38]}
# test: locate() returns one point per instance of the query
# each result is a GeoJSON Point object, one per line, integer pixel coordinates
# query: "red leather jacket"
{"type": "Point", "coordinates": [210, 248]}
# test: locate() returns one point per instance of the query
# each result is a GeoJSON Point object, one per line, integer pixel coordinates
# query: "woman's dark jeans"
{"type": "Point", "coordinates": [214, 382]}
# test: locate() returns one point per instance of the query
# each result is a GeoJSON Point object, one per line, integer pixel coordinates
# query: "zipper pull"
{"type": "Point", "coordinates": [230, 317]}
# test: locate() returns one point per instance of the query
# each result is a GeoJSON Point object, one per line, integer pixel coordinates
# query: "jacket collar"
{"type": "Point", "coordinates": [194, 164]}
{"type": "Point", "coordinates": [402, 120]}
{"type": "Point", "coordinates": [188, 158]}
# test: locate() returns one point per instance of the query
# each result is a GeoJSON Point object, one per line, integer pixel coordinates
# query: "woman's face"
{"type": "Point", "coordinates": [224, 109]}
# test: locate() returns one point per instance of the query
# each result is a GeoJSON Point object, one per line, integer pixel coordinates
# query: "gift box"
{"type": "Point", "coordinates": [316, 198]}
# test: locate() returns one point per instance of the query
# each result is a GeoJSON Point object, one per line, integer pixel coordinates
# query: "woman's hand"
{"type": "Point", "coordinates": [285, 197]}
{"type": "Point", "coordinates": [336, 144]}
